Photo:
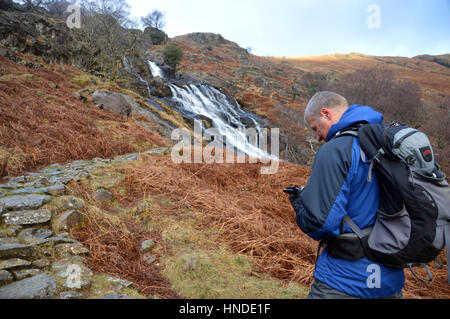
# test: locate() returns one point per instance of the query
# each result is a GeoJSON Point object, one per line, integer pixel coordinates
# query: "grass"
{"type": "Point", "coordinates": [204, 267]}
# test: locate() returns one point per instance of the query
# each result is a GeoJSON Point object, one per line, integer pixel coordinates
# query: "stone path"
{"type": "Point", "coordinates": [35, 217]}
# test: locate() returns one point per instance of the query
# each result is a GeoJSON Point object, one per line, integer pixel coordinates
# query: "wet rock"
{"type": "Point", "coordinates": [25, 273]}
{"type": "Point", "coordinates": [24, 202]}
{"type": "Point", "coordinates": [32, 235]}
{"type": "Point", "coordinates": [37, 287]}
{"type": "Point", "coordinates": [70, 295]}
{"type": "Point", "coordinates": [15, 250]}
{"type": "Point", "coordinates": [102, 195]}
{"type": "Point", "coordinates": [66, 220]}
{"type": "Point", "coordinates": [28, 217]}
{"type": "Point", "coordinates": [159, 88]}
{"type": "Point", "coordinates": [147, 246]}
{"type": "Point", "coordinates": [5, 277]}
{"type": "Point", "coordinates": [13, 263]}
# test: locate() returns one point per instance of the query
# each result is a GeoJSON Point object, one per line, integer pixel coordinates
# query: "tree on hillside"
{"type": "Point", "coordinates": [398, 100]}
{"type": "Point", "coordinates": [117, 9]}
{"type": "Point", "coordinates": [173, 54]}
{"type": "Point", "coordinates": [155, 19]}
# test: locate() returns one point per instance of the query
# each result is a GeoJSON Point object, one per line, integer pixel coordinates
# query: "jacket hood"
{"type": "Point", "coordinates": [353, 115]}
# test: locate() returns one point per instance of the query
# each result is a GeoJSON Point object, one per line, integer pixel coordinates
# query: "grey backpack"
{"type": "Point", "coordinates": [413, 219]}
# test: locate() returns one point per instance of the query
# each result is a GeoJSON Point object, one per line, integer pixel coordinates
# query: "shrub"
{"type": "Point", "coordinates": [173, 54]}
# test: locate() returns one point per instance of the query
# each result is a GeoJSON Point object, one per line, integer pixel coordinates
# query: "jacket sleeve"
{"type": "Point", "coordinates": [323, 203]}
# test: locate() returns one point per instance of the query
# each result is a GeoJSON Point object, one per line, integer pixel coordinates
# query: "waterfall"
{"type": "Point", "coordinates": [197, 101]}
{"type": "Point", "coordinates": [155, 70]}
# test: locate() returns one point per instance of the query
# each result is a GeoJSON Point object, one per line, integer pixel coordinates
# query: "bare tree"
{"type": "Point", "coordinates": [398, 100]}
{"type": "Point", "coordinates": [155, 19]}
{"type": "Point", "coordinates": [117, 9]}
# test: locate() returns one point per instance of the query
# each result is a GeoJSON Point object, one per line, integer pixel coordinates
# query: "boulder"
{"type": "Point", "coordinates": [102, 195]}
{"type": "Point", "coordinates": [37, 287]}
{"type": "Point", "coordinates": [113, 102]}
{"type": "Point", "coordinates": [159, 88]}
{"type": "Point", "coordinates": [67, 220]}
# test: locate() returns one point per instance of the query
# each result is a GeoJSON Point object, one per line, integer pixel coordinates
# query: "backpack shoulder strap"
{"type": "Point", "coordinates": [352, 131]}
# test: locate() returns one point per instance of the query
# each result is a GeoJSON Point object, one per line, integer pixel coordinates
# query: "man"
{"type": "Point", "coordinates": [338, 186]}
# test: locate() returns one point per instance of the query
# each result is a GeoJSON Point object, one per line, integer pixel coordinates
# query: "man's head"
{"type": "Point", "coordinates": [323, 111]}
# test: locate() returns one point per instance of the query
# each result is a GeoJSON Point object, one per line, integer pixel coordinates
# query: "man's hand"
{"type": "Point", "coordinates": [294, 197]}
{"type": "Point", "coordinates": [293, 190]}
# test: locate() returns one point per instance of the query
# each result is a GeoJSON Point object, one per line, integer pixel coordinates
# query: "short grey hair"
{"type": "Point", "coordinates": [324, 99]}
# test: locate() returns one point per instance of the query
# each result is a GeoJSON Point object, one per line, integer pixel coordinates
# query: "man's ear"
{"type": "Point", "coordinates": [325, 112]}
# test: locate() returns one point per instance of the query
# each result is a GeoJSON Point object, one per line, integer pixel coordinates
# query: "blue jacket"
{"type": "Point", "coordinates": [338, 186]}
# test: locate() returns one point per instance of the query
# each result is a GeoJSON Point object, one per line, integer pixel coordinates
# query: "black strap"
{"type": "Point", "coordinates": [322, 243]}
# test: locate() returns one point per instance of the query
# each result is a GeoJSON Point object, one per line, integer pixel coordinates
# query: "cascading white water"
{"type": "Point", "coordinates": [225, 115]}
{"type": "Point", "coordinates": [155, 70]}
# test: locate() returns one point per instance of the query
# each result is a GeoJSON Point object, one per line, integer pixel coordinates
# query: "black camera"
{"type": "Point", "coordinates": [293, 190]}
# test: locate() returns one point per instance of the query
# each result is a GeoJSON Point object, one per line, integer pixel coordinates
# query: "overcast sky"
{"type": "Point", "coordinates": [313, 27]}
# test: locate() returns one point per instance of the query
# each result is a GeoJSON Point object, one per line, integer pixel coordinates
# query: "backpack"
{"type": "Point", "coordinates": [413, 220]}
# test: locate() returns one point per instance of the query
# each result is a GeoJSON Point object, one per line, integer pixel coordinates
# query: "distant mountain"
{"type": "Point", "coordinates": [443, 59]}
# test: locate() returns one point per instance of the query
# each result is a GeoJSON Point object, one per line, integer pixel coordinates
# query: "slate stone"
{"type": "Point", "coordinates": [13, 263]}
{"type": "Point", "coordinates": [5, 277]}
{"type": "Point", "coordinates": [9, 240]}
{"type": "Point", "coordinates": [15, 250]}
{"type": "Point", "coordinates": [27, 217]}
{"type": "Point", "coordinates": [24, 202]}
{"type": "Point", "coordinates": [37, 287]}
{"type": "Point", "coordinates": [31, 235]}
{"type": "Point", "coordinates": [25, 273]}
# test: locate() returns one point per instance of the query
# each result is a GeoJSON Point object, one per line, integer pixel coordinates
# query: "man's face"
{"type": "Point", "coordinates": [322, 125]}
